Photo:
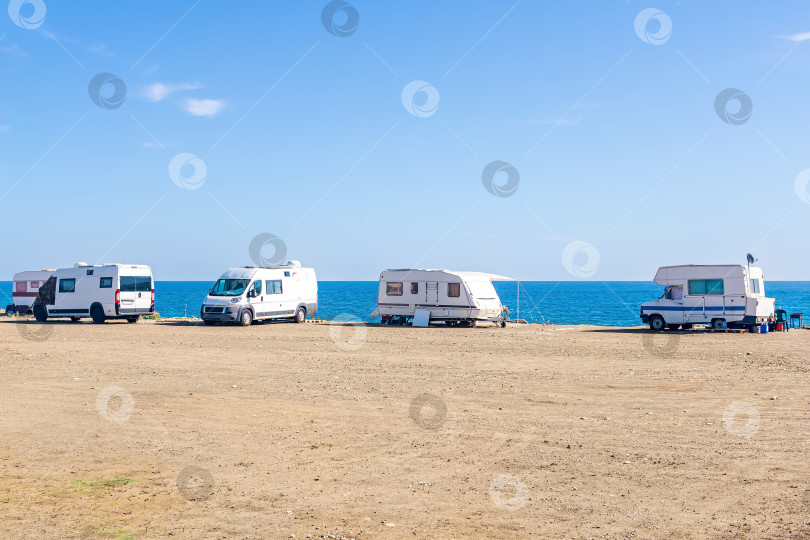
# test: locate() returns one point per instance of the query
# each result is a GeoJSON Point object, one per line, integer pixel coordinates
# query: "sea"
{"type": "Point", "coordinates": [602, 303]}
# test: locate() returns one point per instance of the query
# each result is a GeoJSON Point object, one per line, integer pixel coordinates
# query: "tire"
{"type": "Point", "coordinates": [503, 324]}
{"type": "Point", "coordinates": [657, 323]}
{"type": "Point", "coordinates": [40, 313]}
{"type": "Point", "coordinates": [97, 314]}
{"type": "Point", "coordinates": [246, 317]}
{"type": "Point", "coordinates": [133, 319]}
{"type": "Point", "coordinates": [673, 326]}
{"type": "Point", "coordinates": [718, 323]}
{"type": "Point", "coordinates": [300, 315]}
{"type": "Point", "coordinates": [209, 323]}
{"type": "Point", "coordinates": [75, 319]}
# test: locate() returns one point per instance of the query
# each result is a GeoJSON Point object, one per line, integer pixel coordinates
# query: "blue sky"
{"type": "Point", "coordinates": [624, 163]}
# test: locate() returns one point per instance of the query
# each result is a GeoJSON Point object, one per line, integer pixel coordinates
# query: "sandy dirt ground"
{"type": "Point", "coordinates": [163, 429]}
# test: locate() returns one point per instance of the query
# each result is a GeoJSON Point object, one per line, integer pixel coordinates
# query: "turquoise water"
{"type": "Point", "coordinates": [612, 303]}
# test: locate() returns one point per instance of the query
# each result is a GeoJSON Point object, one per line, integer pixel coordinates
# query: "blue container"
{"type": "Point", "coordinates": [763, 328]}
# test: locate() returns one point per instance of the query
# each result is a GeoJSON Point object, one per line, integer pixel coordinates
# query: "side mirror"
{"type": "Point", "coordinates": [251, 294]}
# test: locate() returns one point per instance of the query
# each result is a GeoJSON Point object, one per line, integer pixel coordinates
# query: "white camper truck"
{"type": "Point", "coordinates": [25, 287]}
{"type": "Point", "coordinates": [730, 294]}
{"type": "Point", "coordinates": [108, 291]}
{"type": "Point", "coordinates": [253, 293]}
{"type": "Point", "coordinates": [449, 296]}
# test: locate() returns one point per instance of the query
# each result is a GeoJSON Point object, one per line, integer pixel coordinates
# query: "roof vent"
{"type": "Point", "coordinates": [294, 264]}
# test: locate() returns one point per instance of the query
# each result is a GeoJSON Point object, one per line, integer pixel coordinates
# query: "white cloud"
{"type": "Point", "coordinates": [14, 50]}
{"type": "Point", "coordinates": [203, 107]}
{"type": "Point", "coordinates": [804, 36]}
{"type": "Point", "coordinates": [158, 91]}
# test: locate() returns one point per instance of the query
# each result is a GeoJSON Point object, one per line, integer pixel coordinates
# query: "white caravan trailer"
{"type": "Point", "coordinates": [254, 293]}
{"type": "Point", "coordinates": [25, 288]}
{"type": "Point", "coordinates": [715, 294]}
{"type": "Point", "coordinates": [107, 291]}
{"type": "Point", "coordinates": [452, 297]}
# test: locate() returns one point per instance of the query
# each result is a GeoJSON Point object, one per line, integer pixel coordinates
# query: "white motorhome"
{"type": "Point", "coordinates": [449, 296]}
{"type": "Point", "coordinates": [254, 293]}
{"type": "Point", "coordinates": [25, 287]}
{"type": "Point", "coordinates": [107, 291]}
{"type": "Point", "coordinates": [719, 295]}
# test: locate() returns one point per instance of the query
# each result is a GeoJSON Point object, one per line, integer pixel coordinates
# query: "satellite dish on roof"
{"type": "Point", "coordinates": [750, 258]}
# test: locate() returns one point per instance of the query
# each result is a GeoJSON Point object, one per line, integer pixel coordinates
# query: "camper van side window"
{"type": "Point", "coordinates": [454, 290]}
{"type": "Point", "coordinates": [273, 286]}
{"type": "Point", "coordinates": [414, 288]}
{"type": "Point", "coordinates": [20, 286]}
{"type": "Point", "coordinates": [67, 285]}
{"type": "Point", "coordinates": [393, 289]}
{"type": "Point", "coordinates": [35, 284]}
{"type": "Point", "coordinates": [105, 283]}
{"type": "Point", "coordinates": [706, 286]}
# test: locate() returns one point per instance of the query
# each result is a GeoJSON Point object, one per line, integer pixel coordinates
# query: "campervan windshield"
{"type": "Point", "coordinates": [229, 287]}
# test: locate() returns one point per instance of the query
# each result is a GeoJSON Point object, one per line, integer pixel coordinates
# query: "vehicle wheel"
{"type": "Point", "coordinates": [75, 319]}
{"type": "Point", "coordinates": [657, 323]}
{"type": "Point", "coordinates": [209, 323]}
{"type": "Point", "coordinates": [133, 319]}
{"type": "Point", "coordinates": [300, 315]}
{"type": "Point", "coordinates": [718, 323]}
{"type": "Point", "coordinates": [97, 314]}
{"type": "Point", "coordinates": [503, 324]}
{"type": "Point", "coordinates": [246, 318]}
{"type": "Point", "coordinates": [673, 326]}
{"type": "Point", "coordinates": [40, 314]}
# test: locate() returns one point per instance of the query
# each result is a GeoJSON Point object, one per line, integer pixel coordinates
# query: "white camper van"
{"type": "Point", "coordinates": [729, 294]}
{"type": "Point", "coordinates": [25, 287]}
{"type": "Point", "coordinates": [449, 296]}
{"type": "Point", "coordinates": [108, 291]}
{"type": "Point", "coordinates": [253, 293]}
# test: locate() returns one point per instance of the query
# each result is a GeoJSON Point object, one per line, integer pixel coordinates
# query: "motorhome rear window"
{"type": "Point", "coordinates": [67, 285]}
{"type": "Point", "coordinates": [706, 286]}
{"type": "Point", "coordinates": [136, 284]}
{"type": "Point", "coordinates": [755, 287]}
{"type": "Point", "coordinates": [273, 286]}
{"type": "Point", "coordinates": [105, 283]}
{"type": "Point", "coordinates": [414, 288]}
{"type": "Point", "coordinates": [393, 289]}
{"type": "Point", "coordinates": [454, 290]}
{"type": "Point", "coordinates": [20, 286]}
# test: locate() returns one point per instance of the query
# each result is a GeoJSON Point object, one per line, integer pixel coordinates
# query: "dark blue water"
{"type": "Point", "coordinates": [612, 303]}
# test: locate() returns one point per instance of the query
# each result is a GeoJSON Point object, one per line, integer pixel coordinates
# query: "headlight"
{"type": "Point", "coordinates": [235, 300]}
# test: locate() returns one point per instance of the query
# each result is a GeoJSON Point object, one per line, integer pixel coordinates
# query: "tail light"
{"type": "Point", "coordinates": [153, 296]}
{"type": "Point", "coordinates": [641, 309]}
{"type": "Point", "coordinates": [152, 307]}
{"type": "Point", "coordinates": [118, 296]}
